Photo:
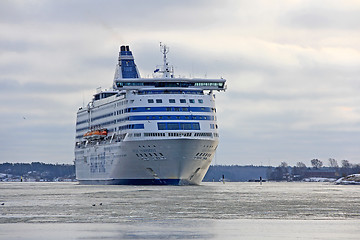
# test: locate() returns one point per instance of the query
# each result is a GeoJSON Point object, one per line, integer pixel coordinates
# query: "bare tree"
{"type": "Point", "coordinates": [280, 172]}
{"type": "Point", "coordinates": [285, 170]}
{"type": "Point", "coordinates": [300, 165]}
{"type": "Point", "coordinates": [345, 164]}
{"type": "Point", "coordinates": [299, 170]}
{"type": "Point", "coordinates": [316, 163]}
{"type": "Point", "coordinates": [283, 165]}
{"type": "Point", "coordinates": [333, 163]}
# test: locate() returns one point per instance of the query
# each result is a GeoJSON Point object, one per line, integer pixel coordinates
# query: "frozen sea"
{"type": "Point", "coordinates": [209, 211]}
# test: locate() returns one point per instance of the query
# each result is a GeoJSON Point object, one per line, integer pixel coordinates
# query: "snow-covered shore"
{"type": "Point", "coordinates": [319, 179]}
{"type": "Point", "coordinates": [353, 179]}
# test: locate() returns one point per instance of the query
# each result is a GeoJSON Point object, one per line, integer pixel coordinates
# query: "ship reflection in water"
{"type": "Point", "coordinates": [209, 211]}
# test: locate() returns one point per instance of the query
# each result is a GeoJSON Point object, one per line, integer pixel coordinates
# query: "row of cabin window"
{"type": "Point", "coordinates": [151, 92]}
{"type": "Point", "coordinates": [156, 117]}
{"type": "Point", "coordinates": [119, 112]}
{"type": "Point", "coordinates": [124, 127]}
{"type": "Point", "coordinates": [178, 126]}
{"type": "Point", "coordinates": [167, 109]}
{"type": "Point", "coordinates": [170, 134]}
{"type": "Point", "coordinates": [161, 126]}
{"type": "Point", "coordinates": [96, 118]}
{"type": "Point", "coordinates": [168, 117]}
{"type": "Point", "coordinates": [106, 115]}
{"type": "Point", "coordinates": [173, 100]}
{"type": "Point", "coordinates": [130, 126]}
{"type": "Point", "coordinates": [181, 134]}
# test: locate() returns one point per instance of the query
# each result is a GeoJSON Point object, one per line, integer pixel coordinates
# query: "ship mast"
{"type": "Point", "coordinates": [168, 71]}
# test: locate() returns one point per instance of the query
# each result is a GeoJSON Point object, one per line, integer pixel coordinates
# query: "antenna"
{"type": "Point", "coordinates": [166, 68]}
{"type": "Point", "coordinates": [164, 50]}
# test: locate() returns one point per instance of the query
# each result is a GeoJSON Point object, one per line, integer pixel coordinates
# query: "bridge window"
{"type": "Point", "coordinates": [150, 100]}
{"type": "Point", "coordinates": [171, 100]}
{"type": "Point", "coordinates": [182, 100]}
{"type": "Point", "coordinates": [158, 100]}
{"type": "Point", "coordinates": [200, 101]}
{"type": "Point", "coordinates": [192, 100]}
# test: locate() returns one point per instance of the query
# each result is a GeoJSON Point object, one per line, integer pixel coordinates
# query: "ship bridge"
{"type": "Point", "coordinates": [194, 83]}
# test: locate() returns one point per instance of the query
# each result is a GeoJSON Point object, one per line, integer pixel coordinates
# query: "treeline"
{"type": "Point", "coordinates": [37, 170]}
{"type": "Point", "coordinates": [317, 169]}
{"type": "Point", "coordinates": [52, 172]}
{"type": "Point", "coordinates": [283, 172]}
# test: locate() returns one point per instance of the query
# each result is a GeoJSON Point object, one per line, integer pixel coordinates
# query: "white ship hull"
{"type": "Point", "coordinates": [172, 161]}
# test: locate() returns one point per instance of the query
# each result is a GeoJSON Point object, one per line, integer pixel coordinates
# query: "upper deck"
{"type": "Point", "coordinates": [194, 83]}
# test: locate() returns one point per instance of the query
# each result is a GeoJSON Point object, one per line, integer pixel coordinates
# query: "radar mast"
{"type": "Point", "coordinates": [167, 70]}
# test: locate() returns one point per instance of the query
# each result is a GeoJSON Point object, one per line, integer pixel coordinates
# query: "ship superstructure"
{"type": "Point", "coordinates": [160, 130]}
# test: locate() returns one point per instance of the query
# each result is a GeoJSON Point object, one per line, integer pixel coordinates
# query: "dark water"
{"type": "Point", "coordinates": [209, 211]}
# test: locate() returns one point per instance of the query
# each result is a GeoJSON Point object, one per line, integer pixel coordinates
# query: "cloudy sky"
{"type": "Point", "coordinates": [292, 70]}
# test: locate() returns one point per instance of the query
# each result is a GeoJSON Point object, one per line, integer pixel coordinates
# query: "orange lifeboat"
{"type": "Point", "coordinates": [95, 134]}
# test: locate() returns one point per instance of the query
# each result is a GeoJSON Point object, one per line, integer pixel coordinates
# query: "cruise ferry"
{"type": "Point", "coordinates": [160, 131]}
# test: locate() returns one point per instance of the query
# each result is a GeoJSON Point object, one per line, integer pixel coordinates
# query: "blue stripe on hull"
{"type": "Point", "coordinates": [131, 182]}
